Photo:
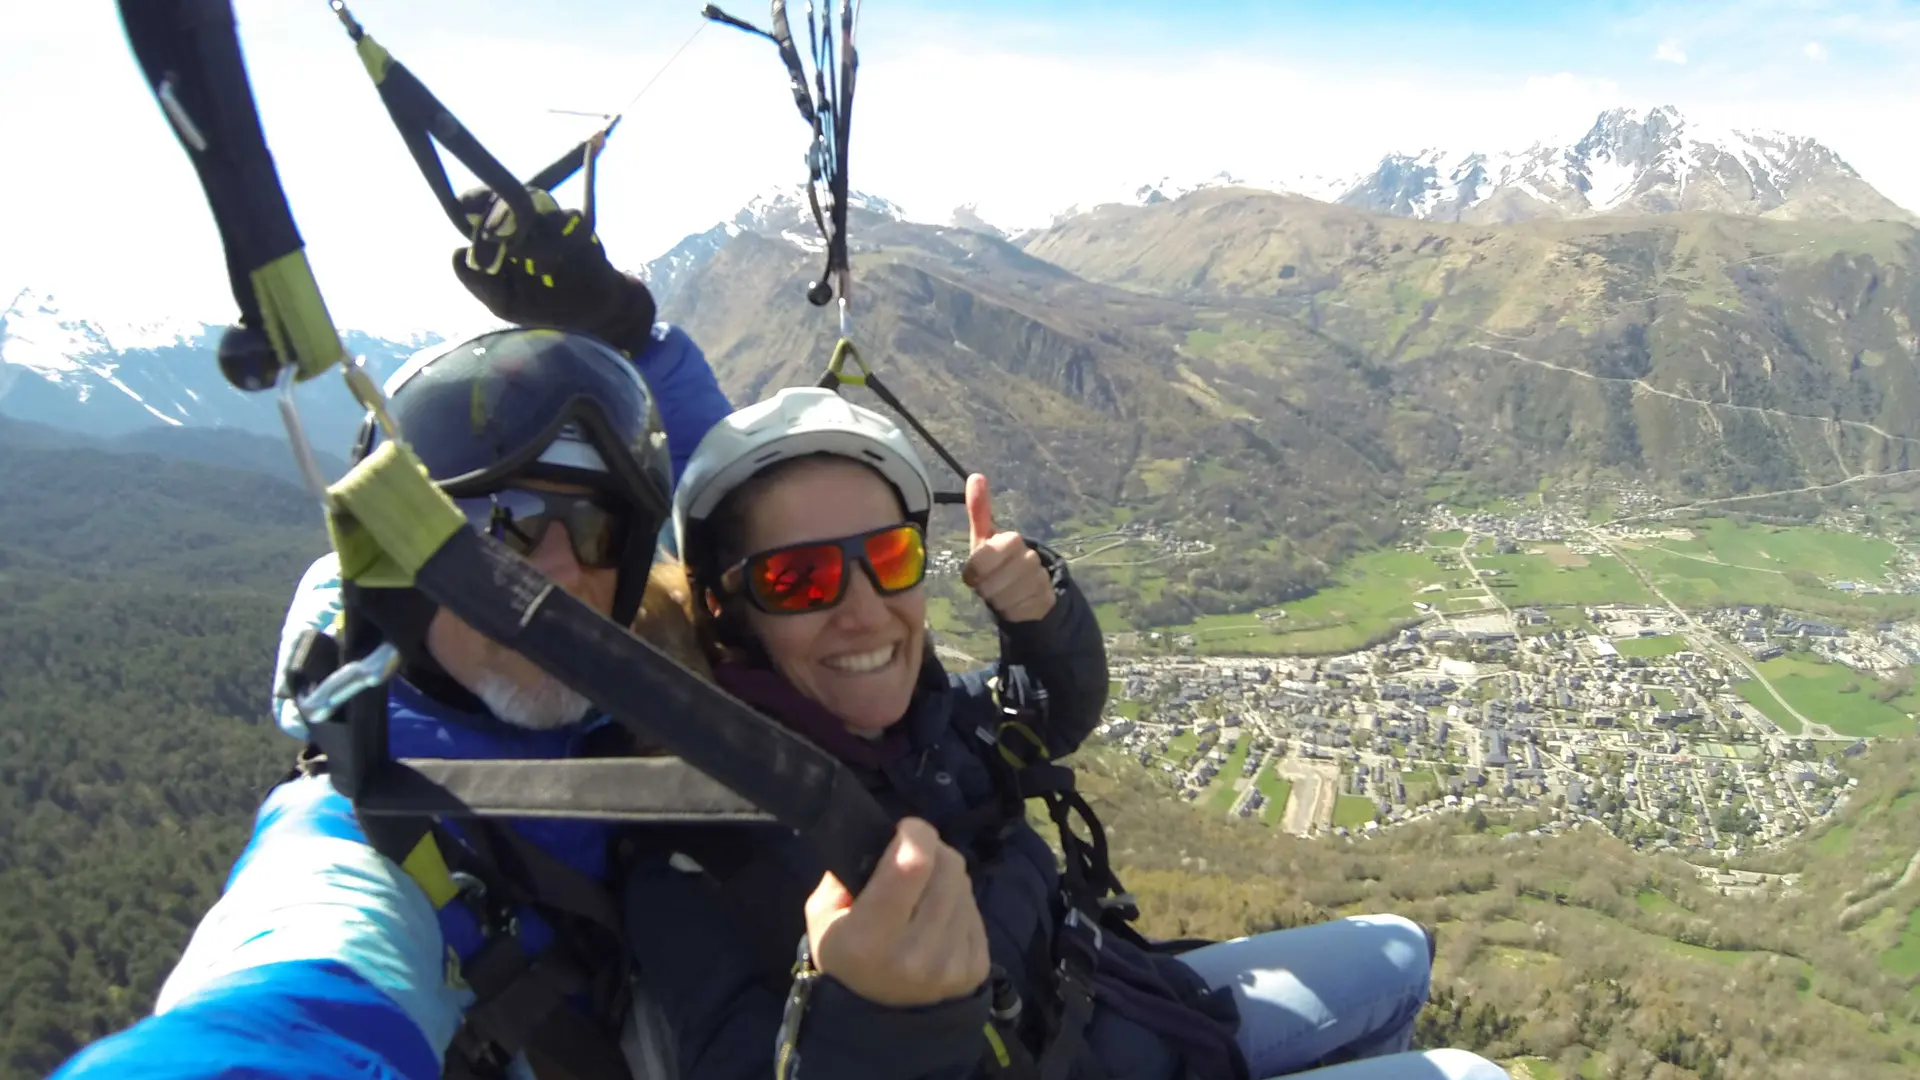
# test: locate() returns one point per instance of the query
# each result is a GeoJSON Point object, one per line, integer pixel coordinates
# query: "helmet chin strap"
{"type": "Point", "coordinates": [636, 563]}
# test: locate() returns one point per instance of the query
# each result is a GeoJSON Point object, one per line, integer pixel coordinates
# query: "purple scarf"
{"type": "Point", "coordinates": [770, 693]}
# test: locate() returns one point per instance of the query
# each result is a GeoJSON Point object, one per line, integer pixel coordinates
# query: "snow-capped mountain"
{"type": "Point", "coordinates": [1630, 161]}
{"type": "Point", "coordinates": [94, 375]}
{"type": "Point", "coordinates": [782, 212]}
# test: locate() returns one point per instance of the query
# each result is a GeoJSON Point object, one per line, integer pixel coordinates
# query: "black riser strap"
{"type": "Point", "coordinates": [553, 883]}
{"type": "Point", "coordinates": [601, 789]}
{"type": "Point", "coordinates": [1063, 1051]}
{"type": "Point", "coordinates": [796, 782]}
{"type": "Point", "coordinates": [193, 46]}
{"type": "Point", "coordinates": [565, 165]}
{"type": "Point", "coordinates": [885, 395]}
{"type": "Point", "coordinates": [416, 112]}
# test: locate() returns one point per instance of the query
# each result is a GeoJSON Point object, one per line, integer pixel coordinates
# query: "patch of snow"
{"type": "Point", "coordinates": [172, 421]}
{"type": "Point", "coordinates": [804, 241]}
{"type": "Point", "coordinates": [1425, 203]}
{"type": "Point", "coordinates": [34, 334]}
{"type": "Point", "coordinates": [114, 381]}
{"type": "Point", "coordinates": [152, 334]}
{"type": "Point", "coordinates": [1609, 181]}
{"type": "Point", "coordinates": [1528, 186]}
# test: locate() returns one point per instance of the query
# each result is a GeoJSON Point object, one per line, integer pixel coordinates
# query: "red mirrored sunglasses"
{"type": "Point", "coordinates": [813, 576]}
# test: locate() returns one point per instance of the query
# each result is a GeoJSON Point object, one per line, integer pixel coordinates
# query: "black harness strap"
{"type": "Point", "coordinates": [603, 789]}
{"type": "Point", "coordinates": [422, 120]}
{"type": "Point", "coordinates": [834, 380]}
{"type": "Point", "coordinates": [523, 1003]}
{"type": "Point", "coordinates": [548, 882]}
{"type": "Point", "coordinates": [796, 782]}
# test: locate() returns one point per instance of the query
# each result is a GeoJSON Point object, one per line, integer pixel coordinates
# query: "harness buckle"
{"type": "Point", "coordinates": [787, 1041]}
{"type": "Point", "coordinates": [1078, 928]}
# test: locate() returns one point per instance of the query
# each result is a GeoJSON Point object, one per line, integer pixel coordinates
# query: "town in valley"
{"type": "Point", "coordinates": [1653, 718]}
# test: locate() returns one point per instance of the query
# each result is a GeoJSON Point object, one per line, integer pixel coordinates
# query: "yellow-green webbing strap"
{"type": "Point", "coordinates": [836, 375]}
{"type": "Point", "coordinates": [374, 56]}
{"type": "Point", "coordinates": [386, 518]}
{"type": "Point", "coordinates": [295, 315]}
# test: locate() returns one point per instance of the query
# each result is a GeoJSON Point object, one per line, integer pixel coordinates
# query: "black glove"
{"type": "Point", "coordinates": [552, 273]}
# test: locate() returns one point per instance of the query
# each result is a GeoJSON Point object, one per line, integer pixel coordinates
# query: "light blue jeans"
{"type": "Point", "coordinates": [1346, 990]}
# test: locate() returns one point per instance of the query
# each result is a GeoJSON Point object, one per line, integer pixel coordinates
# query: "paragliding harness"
{"type": "Point", "coordinates": [1092, 907]}
{"type": "Point", "coordinates": [393, 529]}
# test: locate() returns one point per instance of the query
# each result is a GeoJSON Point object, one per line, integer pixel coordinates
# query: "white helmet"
{"type": "Point", "coordinates": [796, 422]}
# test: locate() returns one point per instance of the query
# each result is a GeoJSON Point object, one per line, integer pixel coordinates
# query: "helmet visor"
{"type": "Point", "coordinates": [523, 402]}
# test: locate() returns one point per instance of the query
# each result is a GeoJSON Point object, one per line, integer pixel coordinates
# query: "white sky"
{"type": "Point", "coordinates": [1017, 115]}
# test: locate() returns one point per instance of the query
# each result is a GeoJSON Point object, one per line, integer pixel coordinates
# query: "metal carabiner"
{"type": "Point", "coordinates": [316, 481]}
{"type": "Point", "coordinates": [318, 705]}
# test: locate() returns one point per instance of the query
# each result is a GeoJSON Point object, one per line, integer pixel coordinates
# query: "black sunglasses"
{"type": "Point", "coordinates": [520, 517]}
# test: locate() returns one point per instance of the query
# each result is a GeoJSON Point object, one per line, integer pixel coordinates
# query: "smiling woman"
{"type": "Point", "coordinates": [850, 637]}
{"type": "Point", "coordinates": [802, 519]}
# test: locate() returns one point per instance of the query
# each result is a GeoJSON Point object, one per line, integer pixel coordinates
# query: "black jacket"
{"type": "Point", "coordinates": [712, 954]}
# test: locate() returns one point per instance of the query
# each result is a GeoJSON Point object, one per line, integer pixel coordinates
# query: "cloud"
{"type": "Point", "coordinates": [1670, 52]}
{"type": "Point", "coordinates": [1815, 52]}
{"type": "Point", "coordinates": [1565, 85]}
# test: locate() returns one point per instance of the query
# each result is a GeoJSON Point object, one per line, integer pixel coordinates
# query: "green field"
{"type": "Point", "coordinates": [1664, 645]}
{"type": "Point", "coordinates": [1277, 790]}
{"type": "Point", "coordinates": [1223, 793]}
{"type": "Point", "coordinates": [1532, 1068]}
{"type": "Point", "coordinates": [1758, 697]}
{"type": "Point", "coordinates": [1374, 592]}
{"type": "Point", "coordinates": [1110, 619]}
{"type": "Point", "coordinates": [1353, 811]}
{"type": "Point", "coordinates": [1535, 579]}
{"type": "Point", "coordinates": [1903, 960]}
{"type": "Point", "coordinates": [1773, 549]}
{"type": "Point", "coordinates": [1819, 690]}
{"type": "Point", "coordinates": [1726, 564]}
{"type": "Point", "coordinates": [1723, 564]}
{"type": "Point", "coordinates": [1181, 746]}
{"type": "Point", "coordinates": [951, 627]}
{"type": "Point", "coordinates": [1729, 957]}
{"type": "Point", "coordinates": [1419, 784]}
{"type": "Point", "coordinates": [1654, 902]}
{"type": "Point", "coordinates": [1836, 840]}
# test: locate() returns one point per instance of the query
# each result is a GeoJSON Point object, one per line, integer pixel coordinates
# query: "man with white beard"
{"type": "Point", "coordinates": [325, 958]}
